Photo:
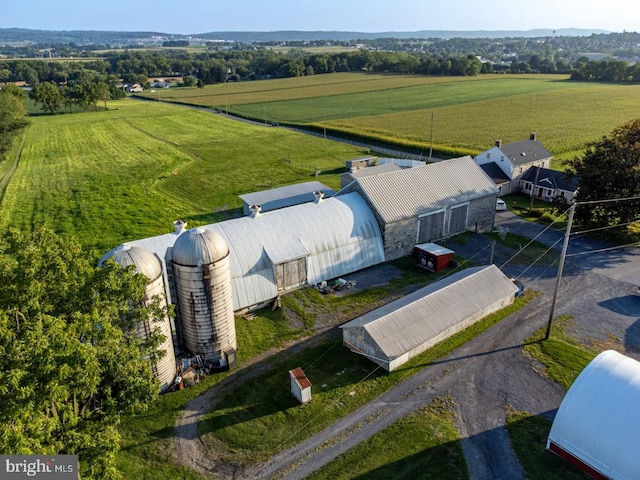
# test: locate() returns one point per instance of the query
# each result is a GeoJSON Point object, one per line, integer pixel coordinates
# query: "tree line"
{"type": "Point", "coordinates": [12, 116]}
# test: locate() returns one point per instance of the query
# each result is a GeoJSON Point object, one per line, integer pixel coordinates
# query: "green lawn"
{"type": "Point", "coordinates": [424, 444]}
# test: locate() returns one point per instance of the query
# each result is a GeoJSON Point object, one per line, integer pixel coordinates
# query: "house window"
{"type": "Point", "coordinates": [431, 227]}
{"type": "Point", "coordinates": [488, 154]}
{"type": "Point", "coordinates": [291, 274]}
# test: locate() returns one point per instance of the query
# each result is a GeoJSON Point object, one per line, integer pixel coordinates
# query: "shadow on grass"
{"type": "Point", "coordinates": [528, 436]}
{"type": "Point", "coordinates": [263, 389]}
{"type": "Point", "coordinates": [441, 462]}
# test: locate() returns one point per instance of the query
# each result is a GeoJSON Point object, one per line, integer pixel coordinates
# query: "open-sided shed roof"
{"type": "Point", "coordinates": [598, 423]}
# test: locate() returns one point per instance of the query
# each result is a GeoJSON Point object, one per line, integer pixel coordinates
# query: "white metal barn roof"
{"type": "Point", "coordinates": [598, 423]}
{"type": "Point", "coordinates": [410, 192]}
{"type": "Point", "coordinates": [401, 329]}
{"type": "Point", "coordinates": [338, 235]}
{"type": "Point", "coordinates": [286, 196]}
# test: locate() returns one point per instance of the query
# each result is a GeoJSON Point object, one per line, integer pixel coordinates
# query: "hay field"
{"type": "Point", "coordinates": [469, 113]}
{"type": "Point", "coordinates": [107, 177]}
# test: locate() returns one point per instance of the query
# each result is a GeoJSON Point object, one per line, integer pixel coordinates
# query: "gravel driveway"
{"type": "Point", "coordinates": [485, 375]}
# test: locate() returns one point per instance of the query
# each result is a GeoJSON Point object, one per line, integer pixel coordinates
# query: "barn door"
{"type": "Point", "coordinates": [291, 274]}
{"type": "Point", "coordinates": [431, 227]}
{"type": "Point", "coordinates": [458, 220]}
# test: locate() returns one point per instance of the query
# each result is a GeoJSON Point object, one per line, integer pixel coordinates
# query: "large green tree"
{"type": "Point", "coordinates": [12, 112]}
{"type": "Point", "coordinates": [49, 95]}
{"type": "Point", "coordinates": [69, 362]}
{"type": "Point", "coordinates": [609, 169]}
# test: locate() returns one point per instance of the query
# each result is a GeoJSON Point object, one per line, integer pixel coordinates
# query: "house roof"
{"type": "Point", "coordinates": [598, 419]}
{"type": "Point", "coordinates": [405, 324]}
{"type": "Point", "coordinates": [407, 193]}
{"type": "Point", "coordinates": [525, 151]}
{"type": "Point", "coordinates": [286, 196]}
{"type": "Point", "coordinates": [552, 179]}
{"type": "Point", "coordinates": [338, 235]}
{"type": "Point", "coordinates": [495, 173]}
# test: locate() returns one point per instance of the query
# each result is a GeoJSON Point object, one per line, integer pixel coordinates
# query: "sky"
{"type": "Point", "coordinates": [202, 16]}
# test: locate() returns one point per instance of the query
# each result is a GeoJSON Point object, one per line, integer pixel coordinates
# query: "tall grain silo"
{"type": "Point", "coordinates": [202, 275]}
{"type": "Point", "coordinates": [149, 265]}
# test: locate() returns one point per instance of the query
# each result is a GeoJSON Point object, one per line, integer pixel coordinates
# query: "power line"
{"type": "Point", "coordinates": [607, 200]}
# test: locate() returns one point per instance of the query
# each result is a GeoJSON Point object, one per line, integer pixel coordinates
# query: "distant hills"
{"type": "Point", "coordinates": [88, 37]}
{"type": "Point", "coordinates": [294, 35]}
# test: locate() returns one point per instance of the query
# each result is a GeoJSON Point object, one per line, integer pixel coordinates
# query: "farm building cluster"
{"type": "Point", "coordinates": [306, 234]}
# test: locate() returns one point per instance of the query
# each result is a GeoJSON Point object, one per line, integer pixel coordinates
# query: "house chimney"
{"type": "Point", "coordinates": [499, 143]}
{"type": "Point", "coordinates": [532, 136]}
{"type": "Point", "coordinates": [179, 226]}
{"type": "Point", "coordinates": [317, 196]}
{"type": "Point", "coordinates": [255, 210]}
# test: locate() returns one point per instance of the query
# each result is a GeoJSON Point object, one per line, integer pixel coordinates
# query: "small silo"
{"type": "Point", "coordinates": [200, 259]}
{"type": "Point", "coordinates": [149, 265]}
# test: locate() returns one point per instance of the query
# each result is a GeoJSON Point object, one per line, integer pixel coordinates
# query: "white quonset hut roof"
{"type": "Point", "coordinates": [286, 196]}
{"type": "Point", "coordinates": [598, 423]}
{"type": "Point", "coordinates": [410, 192]}
{"type": "Point", "coordinates": [338, 235]}
{"type": "Point", "coordinates": [415, 322]}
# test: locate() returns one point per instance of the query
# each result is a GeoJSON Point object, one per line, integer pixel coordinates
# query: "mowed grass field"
{"type": "Point", "coordinates": [108, 177]}
{"type": "Point", "coordinates": [469, 114]}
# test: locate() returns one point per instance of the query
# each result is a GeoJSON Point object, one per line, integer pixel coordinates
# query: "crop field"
{"type": "Point", "coordinates": [469, 114]}
{"type": "Point", "coordinates": [108, 177]}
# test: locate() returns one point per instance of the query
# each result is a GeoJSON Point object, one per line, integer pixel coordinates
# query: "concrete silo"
{"type": "Point", "coordinates": [149, 265]}
{"type": "Point", "coordinates": [200, 260]}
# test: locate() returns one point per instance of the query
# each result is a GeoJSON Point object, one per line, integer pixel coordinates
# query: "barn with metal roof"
{"type": "Point", "coordinates": [274, 252]}
{"type": "Point", "coordinates": [596, 427]}
{"type": "Point", "coordinates": [428, 203]}
{"type": "Point", "coordinates": [398, 331]}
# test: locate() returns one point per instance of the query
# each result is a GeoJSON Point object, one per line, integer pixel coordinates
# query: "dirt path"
{"type": "Point", "coordinates": [486, 377]}
{"type": "Point", "coordinates": [474, 375]}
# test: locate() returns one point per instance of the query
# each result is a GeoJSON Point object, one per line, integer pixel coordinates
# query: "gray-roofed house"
{"type": "Point", "coordinates": [549, 184]}
{"type": "Point", "coordinates": [428, 203]}
{"type": "Point", "coordinates": [398, 331]}
{"type": "Point", "coordinates": [286, 196]}
{"type": "Point", "coordinates": [514, 159]}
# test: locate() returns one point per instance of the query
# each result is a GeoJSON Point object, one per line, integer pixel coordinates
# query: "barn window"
{"type": "Point", "coordinates": [431, 227]}
{"type": "Point", "coordinates": [291, 274]}
{"type": "Point", "coordinates": [458, 219]}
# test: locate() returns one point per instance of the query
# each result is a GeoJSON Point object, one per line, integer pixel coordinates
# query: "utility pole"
{"type": "Point", "coordinates": [535, 182]}
{"type": "Point", "coordinates": [431, 147]}
{"type": "Point", "coordinates": [563, 255]}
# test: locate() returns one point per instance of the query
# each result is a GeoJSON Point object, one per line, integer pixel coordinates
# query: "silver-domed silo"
{"type": "Point", "coordinates": [149, 265]}
{"type": "Point", "coordinates": [200, 259]}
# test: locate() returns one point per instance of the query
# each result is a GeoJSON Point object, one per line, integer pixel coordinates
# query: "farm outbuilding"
{"type": "Point", "coordinates": [147, 264]}
{"type": "Point", "coordinates": [300, 385]}
{"type": "Point", "coordinates": [394, 333]}
{"type": "Point", "coordinates": [283, 197]}
{"type": "Point", "coordinates": [428, 203]}
{"type": "Point", "coordinates": [274, 252]}
{"type": "Point", "coordinates": [596, 427]}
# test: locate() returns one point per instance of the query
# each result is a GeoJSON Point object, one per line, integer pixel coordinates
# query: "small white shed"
{"type": "Point", "coordinates": [300, 385]}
